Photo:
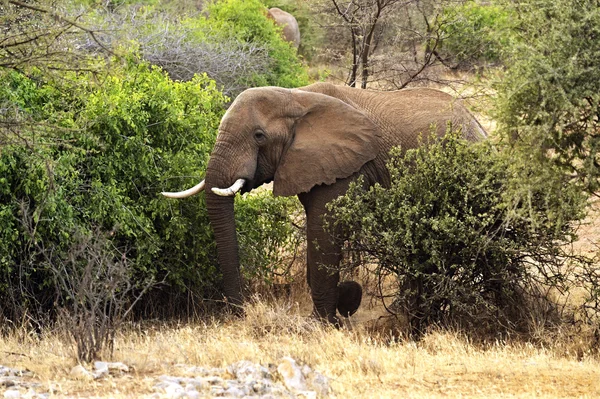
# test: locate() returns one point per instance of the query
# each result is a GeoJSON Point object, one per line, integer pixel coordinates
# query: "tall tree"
{"type": "Point", "coordinates": [392, 43]}
{"type": "Point", "coordinates": [549, 97]}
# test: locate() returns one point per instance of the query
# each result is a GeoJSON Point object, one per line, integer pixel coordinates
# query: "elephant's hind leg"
{"type": "Point", "coordinates": [323, 259]}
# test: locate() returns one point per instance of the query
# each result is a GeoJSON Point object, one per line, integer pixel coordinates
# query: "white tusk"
{"type": "Point", "coordinates": [228, 192]}
{"type": "Point", "coordinates": [191, 191]}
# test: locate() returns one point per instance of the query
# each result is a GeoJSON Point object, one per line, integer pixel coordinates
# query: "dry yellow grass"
{"type": "Point", "coordinates": [359, 365]}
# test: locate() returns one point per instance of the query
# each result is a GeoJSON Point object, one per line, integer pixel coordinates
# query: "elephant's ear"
{"type": "Point", "coordinates": [332, 140]}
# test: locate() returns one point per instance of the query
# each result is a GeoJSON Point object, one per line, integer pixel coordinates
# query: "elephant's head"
{"type": "Point", "coordinates": [295, 138]}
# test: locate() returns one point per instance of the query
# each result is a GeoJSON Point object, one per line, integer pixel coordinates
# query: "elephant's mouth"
{"type": "Point", "coordinates": [251, 184]}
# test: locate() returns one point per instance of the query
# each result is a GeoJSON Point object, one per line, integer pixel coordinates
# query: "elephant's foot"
{"type": "Point", "coordinates": [349, 298]}
{"type": "Point", "coordinates": [235, 310]}
{"type": "Point", "coordinates": [326, 317]}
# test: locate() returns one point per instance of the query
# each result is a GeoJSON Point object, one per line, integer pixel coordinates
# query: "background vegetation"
{"type": "Point", "coordinates": [105, 104]}
{"type": "Point", "coordinates": [89, 141]}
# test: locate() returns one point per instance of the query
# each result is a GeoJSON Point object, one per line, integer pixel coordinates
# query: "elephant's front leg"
{"type": "Point", "coordinates": [323, 256]}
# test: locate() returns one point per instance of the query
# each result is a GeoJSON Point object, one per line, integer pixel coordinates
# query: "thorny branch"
{"type": "Point", "coordinates": [63, 19]}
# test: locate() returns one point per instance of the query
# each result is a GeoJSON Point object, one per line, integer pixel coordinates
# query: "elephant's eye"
{"type": "Point", "coordinates": [260, 137]}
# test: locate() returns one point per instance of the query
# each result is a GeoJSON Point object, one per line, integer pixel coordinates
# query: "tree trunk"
{"type": "Point", "coordinates": [354, 71]}
{"type": "Point", "coordinates": [366, 54]}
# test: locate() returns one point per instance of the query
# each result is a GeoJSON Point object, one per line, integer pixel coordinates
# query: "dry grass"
{"type": "Point", "coordinates": [359, 365]}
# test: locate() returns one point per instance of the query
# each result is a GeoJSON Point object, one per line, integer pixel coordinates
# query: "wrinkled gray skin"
{"type": "Point", "coordinates": [291, 31]}
{"type": "Point", "coordinates": [312, 142]}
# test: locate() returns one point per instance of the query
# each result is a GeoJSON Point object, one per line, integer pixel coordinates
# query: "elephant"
{"type": "Point", "coordinates": [291, 31]}
{"type": "Point", "coordinates": [312, 142]}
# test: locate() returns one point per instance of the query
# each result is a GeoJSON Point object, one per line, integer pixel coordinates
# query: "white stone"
{"type": "Point", "coordinates": [80, 373]}
{"type": "Point", "coordinates": [100, 369]}
{"type": "Point", "coordinates": [169, 379]}
{"type": "Point", "coordinates": [174, 391]}
{"type": "Point", "coordinates": [319, 383]}
{"type": "Point", "coordinates": [191, 388]}
{"type": "Point", "coordinates": [245, 370]}
{"type": "Point", "coordinates": [192, 394]}
{"type": "Point", "coordinates": [212, 380]}
{"type": "Point", "coordinates": [235, 392]}
{"type": "Point", "coordinates": [292, 375]}
{"type": "Point", "coordinates": [258, 387]}
{"type": "Point", "coordinates": [307, 394]}
{"type": "Point", "coordinates": [217, 390]}
{"type": "Point", "coordinates": [306, 370]}
{"type": "Point", "coordinates": [12, 394]}
{"type": "Point", "coordinates": [30, 394]}
{"type": "Point", "coordinates": [114, 367]}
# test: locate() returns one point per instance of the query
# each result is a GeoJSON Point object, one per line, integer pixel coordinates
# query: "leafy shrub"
{"type": "Point", "coordinates": [465, 248]}
{"type": "Point", "coordinates": [549, 96]}
{"type": "Point", "coordinates": [476, 34]}
{"type": "Point", "coordinates": [268, 240]}
{"type": "Point", "coordinates": [77, 157]}
{"type": "Point", "coordinates": [246, 20]}
{"type": "Point", "coordinates": [232, 41]}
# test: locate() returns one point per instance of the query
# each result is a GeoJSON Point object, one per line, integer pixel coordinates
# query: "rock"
{"type": "Point", "coordinates": [319, 383]}
{"type": "Point", "coordinates": [203, 372]}
{"type": "Point", "coordinates": [191, 391]}
{"type": "Point", "coordinates": [12, 394]}
{"type": "Point", "coordinates": [235, 392]}
{"type": "Point", "coordinates": [111, 367]}
{"type": "Point", "coordinates": [169, 379]}
{"type": "Point", "coordinates": [192, 394]}
{"type": "Point", "coordinates": [292, 375]}
{"type": "Point", "coordinates": [246, 371]}
{"type": "Point", "coordinates": [217, 390]}
{"type": "Point", "coordinates": [307, 394]}
{"type": "Point", "coordinates": [80, 373]}
{"type": "Point", "coordinates": [31, 394]}
{"type": "Point", "coordinates": [175, 391]}
{"type": "Point", "coordinates": [7, 381]}
{"type": "Point", "coordinates": [13, 380]}
{"type": "Point", "coordinates": [8, 372]}
{"type": "Point", "coordinates": [244, 379]}
{"type": "Point", "coordinates": [100, 369]}
{"type": "Point", "coordinates": [306, 370]}
{"type": "Point", "coordinates": [212, 380]}
{"type": "Point", "coordinates": [259, 387]}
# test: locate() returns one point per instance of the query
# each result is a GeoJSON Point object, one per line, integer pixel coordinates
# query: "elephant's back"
{"type": "Point", "coordinates": [417, 112]}
{"type": "Point", "coordinates": [408, 114]}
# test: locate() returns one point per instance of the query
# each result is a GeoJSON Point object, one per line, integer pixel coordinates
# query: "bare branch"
{"type": "Point", "coordinates": [61, 18]}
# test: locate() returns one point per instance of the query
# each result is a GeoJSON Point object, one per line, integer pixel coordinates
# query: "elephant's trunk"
{"type": "Point", "coordinates": [220, 173]}
{"type": "Point", "coordinates": [221, 214]}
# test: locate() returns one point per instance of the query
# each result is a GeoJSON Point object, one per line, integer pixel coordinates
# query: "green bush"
{"type": "Point", "coordinates": [78, 157]}
{"type": "Point", "coordinates": [232, 41]}
{"type": "Point", "coordinates": [246, 20]}
{"type": "Point", "coordinates": [100, 163]}
{"type": "Point", "coordinates": [268, 240]}
{"type": "Point", "coordinates": [466, 248]}
{"type": "Point", "coordinates": [549, 96]}
{"type": "Point", "coordinates": [476, 34]}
